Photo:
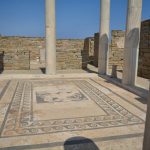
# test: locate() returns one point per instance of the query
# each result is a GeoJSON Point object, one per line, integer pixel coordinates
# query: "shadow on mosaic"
{"type": "Point", "coordinates": [80, 143]}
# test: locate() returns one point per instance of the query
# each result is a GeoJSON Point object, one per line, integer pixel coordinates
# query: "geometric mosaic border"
{"type": "Point", "coordinates": [19, 120]}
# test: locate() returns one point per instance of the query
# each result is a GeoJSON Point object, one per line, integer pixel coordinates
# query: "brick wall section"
{"type": "Point", "coordinates": [116, 54]}
{"type": "Point", "coordinates": [17, 60]}
{"type": "Point", "coordinates": [22, 53]}
{"type": "Point", "coordinates": [15, 54]}
{"type": "Point", "coordinates": [71, 54]}
{"type": "Point", "coordinates": [144, 55]}
{"type": "Point", "coordinates": [117, 49]}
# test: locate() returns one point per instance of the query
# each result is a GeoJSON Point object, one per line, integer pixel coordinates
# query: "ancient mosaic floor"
{"type": "Point", "coordinates": [45, 114]}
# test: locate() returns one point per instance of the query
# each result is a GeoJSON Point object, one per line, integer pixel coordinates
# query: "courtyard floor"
{"type": "Point", "coordinates": [68, 113]}
{"type": "Point", "coordinates": [141, 82]}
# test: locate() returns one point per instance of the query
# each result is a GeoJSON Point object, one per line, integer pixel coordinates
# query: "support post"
{"type": "Point", "coordinates": [104, 37]}
{"type": "Point", "coordinates": [132, 40]}
{"type": "Point", "coordinates": [50, 37]}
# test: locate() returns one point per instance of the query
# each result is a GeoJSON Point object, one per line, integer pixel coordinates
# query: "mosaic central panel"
{"type": "Point", "coordinates": [59, 94]}
{"type": "Point", "coordinates": [66, 98]}
{"type": "Point", "coordinates": [49, 106]}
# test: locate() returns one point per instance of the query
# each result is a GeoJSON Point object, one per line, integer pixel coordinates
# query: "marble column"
{"type": "Point", "coordinates": [104, 36]}
{"type": "Point", "coordinates": [50, 37]}
{"type": "Point", "coordinates": [132, 39]}
{"type": "Point", "coordinates": [146, 143]}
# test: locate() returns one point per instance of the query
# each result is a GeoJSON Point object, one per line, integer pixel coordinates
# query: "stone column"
{"type": "Point", "coordinates": [132, 39]}
{"type": "Point", "coordinates": [104, 36]}
{"type": "Point", "coordinates": [146, 143]}
{"type": "Point", "coordinates": [50, 37]}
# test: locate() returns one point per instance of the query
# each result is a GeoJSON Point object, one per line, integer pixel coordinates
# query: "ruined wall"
{"type": "Point", "coordinates": [71, 54]}
{"type": "Point", "coordinates": [89, 47]}
{"type": "Point", "coordinates": [24, 53]}
{"type": "Point", "coordinates": [29, 53]}
{"type": "Point", "coordinates": [144, 54]}
{"type": "Point", "coordinates": [117, 49]}
{"type": "Point", "coordinates": [15, 53]}
{"type": "Point", "coordinates": [116, 53]}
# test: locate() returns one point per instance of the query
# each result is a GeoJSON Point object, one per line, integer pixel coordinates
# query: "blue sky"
{"type": "Point", "coordinates": [74, 18]}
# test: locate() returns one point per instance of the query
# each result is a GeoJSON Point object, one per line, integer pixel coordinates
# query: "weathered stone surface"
{"type": "Point", "coordinates": [89, 47]}
{"type": "Point", "coordinates": [116, 54]}
{"type": "Point", "coordinates": [19, 52]}
{"type": "Point", "coordinates": [71, 54]}
{"type": "Point", "coordinates": [46, 113]}
{"type": "Point", "coordinates": [28, 53]}
{"type": "Point", "coordinates": [24, 53]}
{"type": "Point", "coordinates": [116, 51]}
{"type": "Point", "coordinates": [144, 55]}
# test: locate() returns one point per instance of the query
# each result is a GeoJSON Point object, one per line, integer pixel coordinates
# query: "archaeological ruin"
{"type": "Point", "coordinates": [72, 53]}
{"type": "Point", "coordinates": [77, 94]}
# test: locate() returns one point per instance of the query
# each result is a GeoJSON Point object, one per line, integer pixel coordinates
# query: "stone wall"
{"type": "Point", "coordinates": [116, 52]}
{"type": "Point", "coordinates": [144, 54]}
{"type": "Point", "coordinates": [71, 54]}
{"type": "Point", "coordinates": [117, 49]}
{"type": "Point", "coordinates": [22, 53]}
{"type": "Point", "coordinates": [89, 47]}
{"type": "Point", "coordinates": [29, 53]}
{"type": "Point", "coordinates": [14, 54]}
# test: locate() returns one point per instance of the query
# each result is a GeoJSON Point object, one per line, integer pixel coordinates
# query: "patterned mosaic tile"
{"type": "Point", "coordinates": [42, 107]}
